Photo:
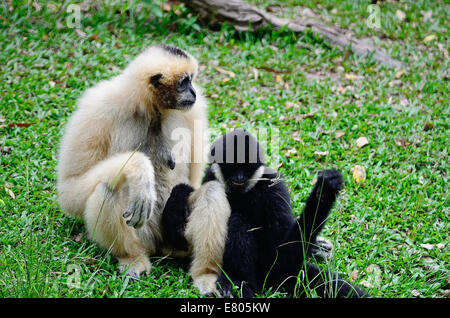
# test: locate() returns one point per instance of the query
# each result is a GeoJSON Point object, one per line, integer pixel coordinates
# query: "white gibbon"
{"type": "Point", "coordinates": [116, 168]}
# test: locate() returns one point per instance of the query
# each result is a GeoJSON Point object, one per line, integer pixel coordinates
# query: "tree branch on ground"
{"type": "Point", "coordinates": [246, 17]}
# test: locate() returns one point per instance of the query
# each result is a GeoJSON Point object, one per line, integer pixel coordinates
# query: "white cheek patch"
{"type": "Point", "coordinates": [215, 168]}
{"type": "Point", "coordinates": [255, 178]}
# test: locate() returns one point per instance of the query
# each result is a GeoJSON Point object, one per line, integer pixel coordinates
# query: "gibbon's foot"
{"type": "Point", "coordinates": [329, 183]}
{"type": "Point", "coordinates": [322, 249]}
{"type": "Point", "coordinates": [206, 284]}
{"type": "Point", "coordinates": [134, 267]}
{"type": "Point", "coordinates": [139, 209]}
{"type": "Point", "coordinates": [226, 288]}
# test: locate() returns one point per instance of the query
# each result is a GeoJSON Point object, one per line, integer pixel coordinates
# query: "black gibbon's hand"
{"type": "Point", "coordinates": [329, 183]}
{"type": "Point", "coordinates": [175, 216]}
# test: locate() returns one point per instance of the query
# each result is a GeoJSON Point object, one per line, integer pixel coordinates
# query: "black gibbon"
{"type": "Point", "coordinates": [116, 168]}
{"type": "Point", "coordinates": [266, 245]}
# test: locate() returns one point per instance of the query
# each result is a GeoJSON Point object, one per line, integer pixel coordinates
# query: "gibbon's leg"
{"type": "Point", "coordinates": [206, 232]}
{"type": "Point", "coordinates": [239, 259]}
{"type": "Point", "coordinates": [121, 183]}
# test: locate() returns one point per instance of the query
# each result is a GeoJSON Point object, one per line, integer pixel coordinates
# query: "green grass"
{"type": "Point", "coordinates": [397, 220]}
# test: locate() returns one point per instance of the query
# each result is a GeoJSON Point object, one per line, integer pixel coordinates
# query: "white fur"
{"type": "Point", "coordinates": [100, 175]}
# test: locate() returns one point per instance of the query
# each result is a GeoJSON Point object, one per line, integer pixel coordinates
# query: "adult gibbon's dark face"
{"type": "Point", "coordinates": [186, 92]}
{"type": "Point", "coordinates": [238, 155]}
{"type": "Point", "coordinates": [177, 95]}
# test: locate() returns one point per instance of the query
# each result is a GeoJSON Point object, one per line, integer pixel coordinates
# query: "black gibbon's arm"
{"type": "Point", "coordinates": [176, 211]}
{"type": "Point", "coordinates": [175, 215]}
{"type": "Point", "coordinates": [318, 205]}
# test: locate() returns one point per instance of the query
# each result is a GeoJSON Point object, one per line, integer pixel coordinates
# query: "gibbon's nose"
{"type": "Point", "coordinates": [238, 179]}
{"type": "Point", "coordinates": [193, 92]}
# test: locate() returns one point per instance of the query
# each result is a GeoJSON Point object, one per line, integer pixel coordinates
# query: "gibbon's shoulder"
{"type": "Point", "coordinates": [272, 186]}
{"type": "Point", "coordinates": [101, 93]}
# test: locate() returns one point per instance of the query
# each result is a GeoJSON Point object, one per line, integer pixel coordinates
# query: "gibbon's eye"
{"type": "Point", "coordinates": [184, 83]}
{"type": "Point", "coordinates": [154, 80]}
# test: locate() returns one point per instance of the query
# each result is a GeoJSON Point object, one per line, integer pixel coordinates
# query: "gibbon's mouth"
{"type": "Point", "coordinates": [187, 103]}
{"type": "Point", "coordinates": [238, 183]}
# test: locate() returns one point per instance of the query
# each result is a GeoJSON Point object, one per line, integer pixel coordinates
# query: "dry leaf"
{"type": "Point", "coordinates": [351, 76]}
{"type": "Point", "coordinates": [427, 14]}
{"type": "Point", "coordinates": [321, 153]}
{"type": "Point", "coordinates": [399, 74]}
{"type": "Point", "coordinates": [402, 142]}
{"type": "Point", "coordinates": [78, 238]}
{"type": "Point", "coordinates": [166, 7]}
{"type": "Point", "coordinates": [229, 73]}
{"type": "Point", "coordinates": [361, 142]}
{"type": "Point", "coordinates": [290, 105]}
{"type": "Point", "coordinates": [255, 73]}
{"type": "Point", "coordinates": [278, 78]}
{"type": "Point", "coordinates": [359, 174]}
{"type": "Point", "coordinates": [303, 116]}
{"type": "Point", "coordinates": [339, 134]}
{"type": "Point", "coordinates": [9, 191]}
{"type": "Point", "coordinates": [400, 15]}
{"type": "Point", "coordinates": [354, 275]}
{"type": "Point", "coordinates": [94, 37]}
{"type": "Point", "coordinates": [52, 84]}
{"type": "Point", "coordinates": [258, 111]}
{"type": "Point", "coordinates": [20, 124]}
{"type": "Point", "coordinates": [366, 284]}
{"type": "Point", "coordinates": [272, 70]}
{"type": "Point", "coordinates": [429, 38]}
{"type": "Point", "coordinates": [226, 79]}
{"type": "Point", "coordinates": [415, 293]}
{"type": "Point", "coordinates": [428, 125]}
{"type": "Point", "coordinates": [289, 152]}
{"type": "Point", "coordinates": [80, 33]}
{"type": "Point", "coordinates": [214, 96]}
{"type": "Point", "coordinates": [427, 246]}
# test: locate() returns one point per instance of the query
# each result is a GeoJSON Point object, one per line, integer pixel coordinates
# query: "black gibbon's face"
{"type": "Point", "coordinates": [239, 176]}
{"type": "Point", "coordinates": [178, 95]}
{"type": "Point", "coordinates": [238, 155]}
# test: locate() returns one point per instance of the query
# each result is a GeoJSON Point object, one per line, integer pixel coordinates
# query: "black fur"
{"type": "Point", "coordinates": [174, 216]}
{"type": "Point", "coordinates": [174, 50]}
{"type": "Point", "coordinates": [266, 245]}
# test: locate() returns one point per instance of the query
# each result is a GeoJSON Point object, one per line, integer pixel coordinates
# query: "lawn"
{"type": "Point", "coordinates": [390, 233]}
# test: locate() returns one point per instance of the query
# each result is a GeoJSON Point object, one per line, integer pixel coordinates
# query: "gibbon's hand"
{"type": "Point", "coordinates": [139, 209]}
{"type": "Point", "coordinates": [329, 183]}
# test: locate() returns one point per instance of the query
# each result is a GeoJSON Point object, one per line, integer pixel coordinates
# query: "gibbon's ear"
{"type": "Point", "coordinates": [154, 80]}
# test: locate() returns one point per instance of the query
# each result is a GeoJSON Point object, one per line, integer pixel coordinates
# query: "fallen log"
{"type": "Point", "coordinates": [246, 17]}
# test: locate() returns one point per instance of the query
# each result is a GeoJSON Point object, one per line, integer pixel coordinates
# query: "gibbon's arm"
{"type": "Point", "coordinates": [175, 216]}
{"type": "Point", "coordinates": [319, 204]}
